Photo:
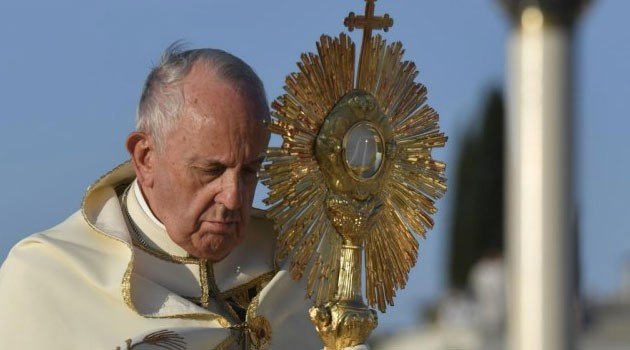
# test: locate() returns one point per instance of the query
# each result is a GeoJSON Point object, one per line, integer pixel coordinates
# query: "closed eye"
{"type": "Point", "coordinates": [214, 171]}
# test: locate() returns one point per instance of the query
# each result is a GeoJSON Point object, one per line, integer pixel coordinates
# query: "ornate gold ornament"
{"type": "Point", "coordinates": [354, 171]}
{"type": "Point", "coordinates": [164, 339]}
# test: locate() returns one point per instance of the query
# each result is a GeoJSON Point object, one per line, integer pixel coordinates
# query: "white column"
{"type": "Point", "coordinates": [539, 184]}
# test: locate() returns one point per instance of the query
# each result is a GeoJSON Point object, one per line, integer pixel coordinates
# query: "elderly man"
{"type": "Point", "coordinates": [161, 255]}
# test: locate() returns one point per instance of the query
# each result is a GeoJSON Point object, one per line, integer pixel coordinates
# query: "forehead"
{"type": "Point", "coordinates": [218, 122]}
{"type": "Point", "coordinates": [212, 97]}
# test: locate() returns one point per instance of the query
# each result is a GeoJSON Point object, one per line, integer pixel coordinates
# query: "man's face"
{"type": "Point", "coordinates": [205, 176]}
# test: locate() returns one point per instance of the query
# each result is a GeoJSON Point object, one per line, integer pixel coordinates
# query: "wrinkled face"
{"type": "Point", "coordinates": [204, 179]}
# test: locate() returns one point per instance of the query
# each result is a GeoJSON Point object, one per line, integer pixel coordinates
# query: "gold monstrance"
{"type": "Point", "coordinates": [354, 172]}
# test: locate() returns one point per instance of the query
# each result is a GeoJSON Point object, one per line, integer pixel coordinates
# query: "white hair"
{"type": "Point", "coordinates": [162, 100]}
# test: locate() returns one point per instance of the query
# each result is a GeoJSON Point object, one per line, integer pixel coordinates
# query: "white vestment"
{"type": "Point", "coordinates": [109, 277]}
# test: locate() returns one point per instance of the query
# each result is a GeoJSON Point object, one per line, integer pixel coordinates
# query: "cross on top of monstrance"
{"type": "Point", "coordinates": [354, 180]}
{"type": "Point", "coordinates": [368, 22]}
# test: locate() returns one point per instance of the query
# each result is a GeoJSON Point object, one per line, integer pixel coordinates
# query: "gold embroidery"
{"type": "Point", "coordinates": [162, 339]}
{"type": "Point", "coordinates": [203, 279]}
{"type": "Point", "coordinates": [260, 332]}
{"type": "Point", "coordinates": [90, 189]}
{"type": "Point", "coordinates": [165, 256]}
{"type": "Point", "coordinates": [252, 309]}
{"type": "Point", "coordinates": [259, 328]}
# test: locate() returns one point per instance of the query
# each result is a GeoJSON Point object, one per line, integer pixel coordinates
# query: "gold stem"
{"type": "Point", "coordinates": [350, 273]}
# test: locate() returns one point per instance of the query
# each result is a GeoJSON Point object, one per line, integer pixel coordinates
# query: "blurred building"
{"type": "Point", "coordinates": [476, 319]}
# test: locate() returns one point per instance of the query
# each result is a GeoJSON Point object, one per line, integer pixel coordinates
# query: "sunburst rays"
{"type": "Point", "coordinates": [298, 190]}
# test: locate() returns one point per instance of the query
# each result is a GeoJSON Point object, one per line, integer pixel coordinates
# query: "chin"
{"type": "Point", "coordinates": [212, 257]}
{"type": "Point", "coordinates": [216, 248]}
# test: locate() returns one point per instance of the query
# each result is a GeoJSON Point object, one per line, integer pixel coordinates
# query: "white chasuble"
{"type": "Point", "coordinates": [109, 277]}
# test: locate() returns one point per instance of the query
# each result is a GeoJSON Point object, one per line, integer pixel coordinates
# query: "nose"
{"type": "Point", "coordinates": [231, 193]}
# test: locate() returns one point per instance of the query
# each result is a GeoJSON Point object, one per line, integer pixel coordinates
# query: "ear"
{"type": "Point", "coordinates": [142, 151]}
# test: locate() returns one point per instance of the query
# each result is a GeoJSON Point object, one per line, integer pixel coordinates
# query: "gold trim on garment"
{"type": "Point", "coordinates": [259, 329]}
{"type": "Point", "coordinates": [203, 280]}
{"type": "Point", "coordinates": [164, 255]}
{"type": "Point", "coordinates": [252, 309]}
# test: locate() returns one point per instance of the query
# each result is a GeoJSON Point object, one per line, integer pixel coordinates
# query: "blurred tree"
{"type": "Point", "coordinates": [477, 229]}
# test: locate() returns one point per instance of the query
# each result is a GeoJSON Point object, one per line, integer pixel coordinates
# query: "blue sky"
{"type": "Point", "coordinates": [71, 74]}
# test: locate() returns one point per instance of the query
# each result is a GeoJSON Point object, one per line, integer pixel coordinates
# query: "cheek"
{"type": "Point", "coordinates": [165, 179]}
{"type": "Point", "coordinates": [162, 183]}
{"type": "Point", "coordinates": [179, 198]}
{"type": "Point", "coordinates": [201, 201]}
